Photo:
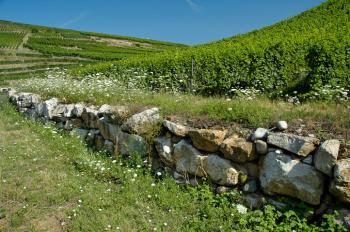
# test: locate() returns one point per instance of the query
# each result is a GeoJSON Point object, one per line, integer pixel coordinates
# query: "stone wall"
{"type": "Point", "coordinates": [266, 164]}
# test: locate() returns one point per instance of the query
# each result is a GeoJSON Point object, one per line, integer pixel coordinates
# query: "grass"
{"type": "Point", "coordinates": [324, 119]}
{"type": "Point", "coordinates": [50, 181]}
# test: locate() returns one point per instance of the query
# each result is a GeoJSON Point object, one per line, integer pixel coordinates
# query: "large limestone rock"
{"type": "Point", "coordinates": [130, 145]}
{"type": "Point", "coordinates": [27, 100]}
{"type": "Point", "coordinates": [80, 133]}
{"type": "Point", "coordinates": [221, 171]}
{"type": "Point", "coordinates": [280, 174]}
{"type": "Point", "coordinates": [58, 113]}
{"type": "Point", "coordinates": [68, 110]}
{"type": "Point", "coordinates": [78, 110]}
{"type": "Point", "coordinates": [114, 114]}
{"type": "Point", "coordinates": [188, 159]}
{"type": "Point", "coordinates": [73, 123]}
{"type": "Point", "coordinates": [108, 131]}
{"type": "Point", "coordinates": [175, 128]}
{"type": "Point", "coordinates": [90, 117]}
{"type": "Point", "coordinates": [207, 140]}
{"type": "Point", "coordinates": [138, 123]}
{"type": "Point", "coordinates": [238, 150]}
{"type": "Point", "coordinates": [326, 156]}
{"type": "Point", "coordinates": [340, 185]}
{"type": "Point", "coordinates": [48, 108]}
{"type": "Point", "coordinates": [298, 145]}
{"type": "Point", "coordinates": [165, 151]}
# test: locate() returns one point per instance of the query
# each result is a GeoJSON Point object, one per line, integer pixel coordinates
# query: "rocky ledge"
{"type": "Point", "coordinates": [267, 163]}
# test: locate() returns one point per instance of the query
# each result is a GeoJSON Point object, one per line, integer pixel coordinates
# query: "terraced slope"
{"type": "Point", "coordinates": [305, 53]}
{"type": "Point", "coordinates": [31, 49]}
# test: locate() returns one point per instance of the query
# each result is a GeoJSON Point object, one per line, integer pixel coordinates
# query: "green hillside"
{"type": "Point", "coordinates": [305, 55]}
{"type": "Point", "coordinates": [29, 49]}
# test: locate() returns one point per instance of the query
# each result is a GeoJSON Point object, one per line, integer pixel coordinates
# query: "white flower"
{"type": "Point", "coordinates": [159, 173]}
{"type": "Point", "coordinates": [229, 109]}
{"type": "Point", "coordinates": [153, 184]}
{"type": "Point", "coordinates": [241, 209]}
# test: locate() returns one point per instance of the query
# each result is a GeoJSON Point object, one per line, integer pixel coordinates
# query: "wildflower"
{"type": "Point", "coordinates": [241, 209]}
{"type": "Point", "coordinates": [159, 173]}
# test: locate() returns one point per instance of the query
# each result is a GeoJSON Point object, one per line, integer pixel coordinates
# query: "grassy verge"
{"type": "Point", "coordinates": [50, 181]}
{"type": "Point", "coordinates": [323, 119]}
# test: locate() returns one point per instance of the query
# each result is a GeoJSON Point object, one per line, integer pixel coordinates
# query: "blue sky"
{"type": "Point", "coordinates": [184, 21]}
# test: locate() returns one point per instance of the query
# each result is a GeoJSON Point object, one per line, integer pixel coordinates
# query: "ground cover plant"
{"type": "Point", "coordinates": [50, 180]}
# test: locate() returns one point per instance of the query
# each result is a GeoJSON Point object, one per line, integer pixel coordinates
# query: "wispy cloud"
{"type": "Point", "coordinates": [194, 6]}
{"type": "Point", "coordinates": [76, 19]}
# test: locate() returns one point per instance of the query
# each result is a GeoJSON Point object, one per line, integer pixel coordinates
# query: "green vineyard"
{"type": "Point", "coordinates": [299, 55]}
{"type": "Point", "coordinates": [11, 40]}
{"type": "Point", "coordinates": [26, 49]}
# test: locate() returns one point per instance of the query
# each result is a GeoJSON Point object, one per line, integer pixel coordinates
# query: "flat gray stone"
{"type": "Point", "coordinates": [298, 145]}
{"type": "Point", "coordinates": [175, 128]}
{"type": "Point", "coordinates": [221, 171]}
{"type": "Point", "coordinates": [140, 122]}
{"type": "Point", "coordinates": [165, 150]}
{"type": "Point", "coordinates": [130, 145]}
{"type": "Point", "coordinates": [188, 159]}
{"type": "Point", "coordinates": [280, 174]}
{"type": "Point", "coordinates": [326, 156]}
{"type": "Point", "coordinates": [340, 185]}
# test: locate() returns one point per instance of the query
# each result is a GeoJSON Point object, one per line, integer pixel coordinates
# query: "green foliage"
{"type": "Point", "coordinates": [11, 40]}
{"type": "Point", "coordinates": [300, 54]}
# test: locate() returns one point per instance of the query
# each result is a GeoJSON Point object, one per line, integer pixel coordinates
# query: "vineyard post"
{"type": "Point", "coordinates": [192, 74]}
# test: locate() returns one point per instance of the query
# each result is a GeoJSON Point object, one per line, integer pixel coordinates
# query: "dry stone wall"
{"type": "Point", "coordinates": [268, 163]}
